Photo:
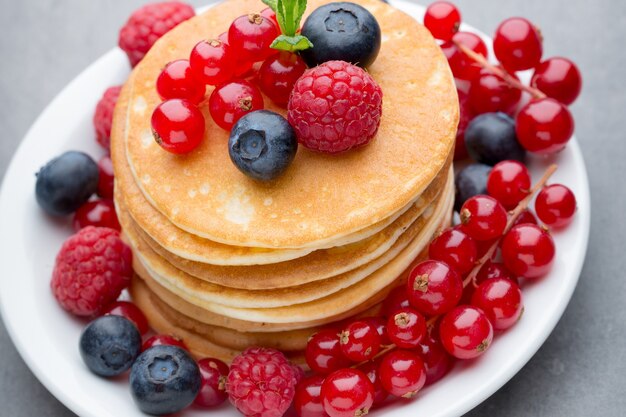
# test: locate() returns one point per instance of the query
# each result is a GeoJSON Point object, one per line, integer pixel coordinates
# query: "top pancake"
{"type": "Point", "coordinates": [320, 198]}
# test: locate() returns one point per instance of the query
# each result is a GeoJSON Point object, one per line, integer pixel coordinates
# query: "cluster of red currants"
{"type": "Point", "coordinates": [230, 64]}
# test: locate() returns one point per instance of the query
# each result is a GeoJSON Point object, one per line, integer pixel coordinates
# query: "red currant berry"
{"type": "Point", "coordinates": [455, 248]}
{"type": "Point", "coordinates": [106, 177]}
{"type": "Point", "coordinates": [483, 217]}
{"type": "Point", "coordinates": [406, 328]}
{"type": "Point", "coordinates": [442, 19]}
{"type": "Point", "coordinates": [213, 375]}
{"type": "Point", "coordinates": [178, 80]}
{"type": "Point", "coordinates": [251, 36]}
{"type": "Point", "coordinates": [242, 68]}
{"type": "Point", "coordinates": [269, 13]}
{"type": "Point", "coordinates": [347, 393]}
{"type": "Point", "coordinates": [466, 332]}
{"type": "Point", "coordinates": [482, 245]}
{"type": "Point", "coordinates": [462, 66]}
{"type": "Point", "coordinates": [360, 341]}
{"type": "Point", "coordinates": [525, 216]}
{"type": "Point", "coordinates": [489, 93]}
{"type": "Point", "coordinates": [437, 362]}
{"type": "Point", "coordinates": [509, 183]}
{"type": "Point", "coordinates": [544, 126]}
{"type": "Point", "coordinates": [434, 288]}
{"type": "Point", "coordinates": [229, 102]}
{"type": "Point", "coordinates": [213, 61]}
{"type": "Point", "coordinates": [494, 270]}
{"type": "Point", "coordinates": [371, 370]}
{"type": "Point", "coordinates": [501, 300]}
{"type": "Point", "coordinates": [396, 300]}
{"type": "Point", "coordinates": [99, 213]}
{"type": "Point", "coordinates": [131, 312]}
{"type": "Point", "coordinates": [528, 251]}
{"type": "Point", "coordinates": [307, 401]}
{"type": "Point", "coordinates": [278, 74]}
{"type": "Point", "coordinates": [381, 326]}
{"type": "Point", "coordinates": [178, 126]}
{"type": "Point", "coordinates": [465, 117]}
{"type": "Point", "coordinates": [558, 78]}
{"type": "Point", "coordinates": [517, 44]}
{"type": "Point", "coordinates": [323, 352]}
{"type": "Point", "coordinates": [163, 339]}
{"type": "Point", "coordinates": [556, 205]}
{"type": "Point", "coordinates": [402, 373]}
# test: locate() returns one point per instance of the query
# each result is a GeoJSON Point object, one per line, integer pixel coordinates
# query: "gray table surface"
{"type": "Point", "coordinates": [580, 371]}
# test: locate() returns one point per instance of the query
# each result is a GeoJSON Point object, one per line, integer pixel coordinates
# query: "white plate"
{"type": "Point", "coordinates": [47, 337]}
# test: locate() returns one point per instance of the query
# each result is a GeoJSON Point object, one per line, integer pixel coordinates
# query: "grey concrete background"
{"type": "Point", "coordinates": [580, 371]}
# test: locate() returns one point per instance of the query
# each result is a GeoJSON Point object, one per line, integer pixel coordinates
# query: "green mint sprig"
{"type": "Point", "coordinates": [289, 14]}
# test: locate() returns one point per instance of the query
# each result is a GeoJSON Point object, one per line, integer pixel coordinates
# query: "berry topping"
{"type": "Point", "coordinates": [212, 61]}
{"type": "Point", "coordinates": [501, 300]}
{"type": "Point", "coordinates": [91, 270]}
{"type": "Point", "coordinates": [307, 401]}
{"type": "Point", "coordinates": [271, 15]}
{"type": "Point", "coordinates": [131, 312]}
{"type": "Point", "coordinates": [466, 332]}
{"type": "Point", "coordinates": [556, 205]}
{"type": "Point", "coordinates": [465, 116]}
{"type": "Point", "coordinates": [359, 341]}
{"type": "Point", "coordinates": [371, 369]}
{"type": "Point", "coordinates": [443, 20]}
{"type": "Point", "coordinates": [149, 23]}
{"type": "Point", "coordinates": [278, 75]}
{"type": "Point", "coordinates": [402, 373]}
{"type": "Point", "coordinates": [489, 93]}
{"type": "Point", "coordinates": [229, 102]}
{"type": "Point", "coordinates": [214, 373]}
{"type": "Point", "coordinates": [406, 328]}
{"type": "Point", "coordinates": [463, 67]}
{"type": "Point", "coordinates": [470, 181]}
{"type": "Point", "coordinates": [66, 182]}
{"type": "Point", "coordinates": [517, 44]}
{"type": "Point", "coordinates": [483, 217]}
{"type": "Point", "coordinates": [103, 116]}
{"type": "Point", "coordinates": [251, 35]}
{"type": "Point", "coordinates": [528, 251]}
{"type": "Point", "coordinates": [323, 352]}
{"type": "Point", "coordinates": [178, 126]}
{"type": "Point", "coordinates": [493, 270]}
{"type": "Point", "coordinates": [456, 248]}
{"type": "Point", "coordinates": [335, 107]}
{"type": "Point", "coordinates": [437, 362]}
{"type": "Point", "coordinates": [509, 183]}
{"type": "Point", "coordinates": [262, 145]}
{"type": "Point", "coordinates": [99, 213]}
{"type": "Point", "coordinates": [163, 340]}
{"type": "Point", "coordinates": [106, 177]}
{"type": "Point", "coordinates": [559, 78]}
{"type": "Point", "coordinates": [491, 138]}
{"type": "Point", "coordinates": [347, 393]}
{"type": "Point", "coordinates": [434, 288]}
{"type": "Point", "coordinates": [544, 126]}
{"type": "Point", "coordinates": [396, 300]}
{"type": "Point", "coordinates": [380, 323]}
{"type": "Point", "coordinates": [177, 80]}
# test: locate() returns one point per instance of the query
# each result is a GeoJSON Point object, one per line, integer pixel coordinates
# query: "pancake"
{"type": "Point", "coordinates": [320, 199]}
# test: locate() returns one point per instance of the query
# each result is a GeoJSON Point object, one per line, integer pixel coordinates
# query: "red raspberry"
{"type": "Point", "coordinates": [334, 107]}
{"type": "Point", "coordinates": [103, 116]}
{"type": "Point", "coordinates": [149, 23]}
{"type": "Point", "coordinates": [91, 270]}
{"type": "Point", "coordinates": [261, 383]}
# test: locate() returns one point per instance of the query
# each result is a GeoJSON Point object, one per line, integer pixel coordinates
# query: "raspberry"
{"type": "Point", "coordinates": [103, 116]}
{"type": "Point", "coordinates": [334, 107]}
{"type": "Point", "coordinates": [149, 23]}
{"type": "Point", "coordinates": [91, 270]}
{"type": "Point", "coordinates": [261, 383]}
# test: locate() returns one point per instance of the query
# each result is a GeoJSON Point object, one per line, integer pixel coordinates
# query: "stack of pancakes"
{"type": "Point", "coordinates": [225, 262]}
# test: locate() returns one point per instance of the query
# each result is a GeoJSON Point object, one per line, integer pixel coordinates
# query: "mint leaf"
{"type": "Point", "coordinates": [289, 14]}
{"type": "Point", "coordinates": [271, 4]}
{"type": "Point", "coordinates": [291, 43]}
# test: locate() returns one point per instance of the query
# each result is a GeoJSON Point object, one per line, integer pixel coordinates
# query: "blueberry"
{"type": "Point", "coordinates": [262, 144]}
{"type": "Point", "coordinates": [341, 31]}
{"type": "Point", "coordinates": [470, 181]}
{"type": "Point", "coordinates": [109, 345]}
{"type": "Point", "coordinates": [164, 379]}
{"type": "Point", "coordinates": [490, 138]}
{"type": "Point", "coordinates": [66, 182]}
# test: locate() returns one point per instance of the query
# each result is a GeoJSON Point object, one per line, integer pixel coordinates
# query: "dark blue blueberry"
{"type": "Point", "coordinates": [66, 182]}
{"type": "Point", "coordinates": [490, 138]}
{"type": "Point", "coordinates": [164, 379]}
{"type": "Point", "coordinates": [109, 345]}
{"type": "Point", "coordinates": [262, 145]}
{"type": "Point", "coordinates": [341, 31]}
{"type": "Point", "coordinates": [470, 181]}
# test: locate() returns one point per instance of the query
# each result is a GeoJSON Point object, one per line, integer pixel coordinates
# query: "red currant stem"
{"type": "Point", "coordinates": [385, 349]}
{"type": "Point", "coordinates": [513, 215]}
{"type": "Point", "coordinates": [484, 63]}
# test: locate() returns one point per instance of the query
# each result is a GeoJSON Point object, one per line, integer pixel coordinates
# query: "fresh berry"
{"type": "Point", "coordinates": [556, 205]}
{"type": "Point", "coordinates": [559, 78]}
{"type": "Point", "coordinates": [483, 217]}
{"type": "Point", "coordinates": [406, 328]}
{"type": "Point", "coordinates": [454, 247]}
{"type": "Point", "coordinates": [396, 300]}
{"type": "Point", "coordinates": [262, 145]}
{"type": "Point", "coordinates": [213, 373]}
{"type": "Point", "coordinates": [517, 44]}
{"type": "Point", "coordinates": [462, 66]}
{"type": "Point", "coordinates": [381, 327]}
{"type": "Point", "coordinates": [335, 106]}
{"type": "Point", "coordinates": [494, 270]}
{"type": "Point", "coordinates": [501, 300]}
{"type": "Point", "coordinates": [109, 345]}
{"type": "Point", "coordinates": [528, 251]}
{"type": "Point", "coordinates": [371, 369]}
{"type": "Point", "coordinates": [149, 23]}
{"type": "Point", "coordinates": [442, 19]}
{"type": "Point", "coordinates": [178, 126]}
{"type": "Point", "coordinates": [229, 102]}
{"type": "Point", "coordinates": [164, 380]}
{"type": "Point", "coordinates": [491, 138]}
{"type": "Point", "coordinates": [544, 126]}
{"type": "Point", "coordinates": [131, 312]}
{"type": "Point", "coordinates": [466, 332]}
{"type": "Point", "coordinates": [308, 401]}
{"type": "Point", "coordinates": [347, 393]}
{"type": "Point", "coordinates": [261, 383]}
{"type": "Point", "coordinates": [359, 341]}
{"type": "Point", "coordinates": [163, 340]}
{"type": "Point", "coordinates": [66, 182]}
{"type": "Point", "coordinates": [437, 362]}
{"type": "Point", "coordinates": [91, 270]}
{"type": "Point", "coordinates": [509, 183]}
{"type": "Point", "coordinates": [402, 373]}
{"type": "Point", "coordinates": [106, 177]}
{"type": "Point", "coordinates": [279, 74]}
{"type": "Point", "coordinates": [470, 181]}
{"type": "Point", "coordinates": [341, 31]}
{"type": "Point", "coordinates": [434, 288]}
{"type": "Point", "coordinates": [242, 67]}
{"type": "Point", "coordinates": [269, 13]}
{"type": "Point", "coordinates": [177, 80]}
{"type": "Point", "coordinates": [99, 213]}
{"type": "Point", "coordinates": [251, 35]}
{"type": "Point", "coordinates": [465, 116]}
{"type": "Point", "coordinates": [489, 93]}
{"type": "Point", "coordinates": [525, 216]}
{"type": "Point", "coordinates": [103, 116]}
{"type": "Point", "coordinates": [212, 61]}
{"type": "Point", "coordinates": [323, 352]}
